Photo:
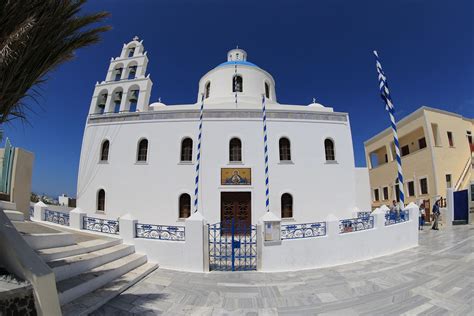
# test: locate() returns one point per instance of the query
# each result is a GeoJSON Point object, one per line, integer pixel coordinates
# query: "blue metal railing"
{"type": "Point", "coordinates": [107, 226]}
{"type": "Point", "coordinates": [56, 217]}
{"type": "Point", "coordinates": [161, 232]}
{"type": "Point", "coordinates": [395, 218]}
{"type": "Point", "coordinates": [307, 230]}
{"type": "Point", "coordinates": [356, 224]}
{"type": "Point", "coordinates": [363, 214]}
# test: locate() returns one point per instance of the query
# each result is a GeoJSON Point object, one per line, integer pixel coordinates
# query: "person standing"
{"type": "Point", "coordinates": [436, 213]}
{"type": "Point", "coordinates": [422, 216]}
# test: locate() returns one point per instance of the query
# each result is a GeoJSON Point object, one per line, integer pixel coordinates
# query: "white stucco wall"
{"type": "Point", "coordinates": [334, 248]}
{"type": "Point", "coordinates": [362, 189]}
{"type": "Point", "coordinates": [150, 191]}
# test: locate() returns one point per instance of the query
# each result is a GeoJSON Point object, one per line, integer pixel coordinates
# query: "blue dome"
{"type": "Point", "coordinates": [237, 62]}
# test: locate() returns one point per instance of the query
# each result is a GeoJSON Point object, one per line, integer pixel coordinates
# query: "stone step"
{"type": "Point", "coordinates": [77, 249]}
{"type": "Point", "coordinates": [94, 279]}
{"type": "Point", "coordinates": [90, 302]}
{"type": "Point", "coordinates": [49, 240]}
{"type": "Point", "coordinates": [14, 216]}
{"type": "Point", "coordinates": [68, 267]}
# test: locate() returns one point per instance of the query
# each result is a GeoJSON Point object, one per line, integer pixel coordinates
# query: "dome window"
{"type": "Point", "coordinates": [207, 90]}
{"type": "Point", "coordinates": [238, 84]}
{"type": "Point", "coordinates": [267, 90]}
{"type": "Point", "coordinates": [329, 150]}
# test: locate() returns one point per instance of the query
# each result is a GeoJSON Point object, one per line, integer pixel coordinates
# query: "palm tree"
{"type": "Point", "coordinates": [36, 36]}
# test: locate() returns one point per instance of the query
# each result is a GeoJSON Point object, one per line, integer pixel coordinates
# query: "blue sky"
{"type": "Point", "coordinates": [320, 49]}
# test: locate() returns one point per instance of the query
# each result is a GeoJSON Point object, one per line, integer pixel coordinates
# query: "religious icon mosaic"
{"type": "Point", "coordinates": [236, 176]}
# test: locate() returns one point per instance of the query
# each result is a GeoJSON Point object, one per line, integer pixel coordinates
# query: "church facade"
{"type": "Point", "coordinates": [140, 158]}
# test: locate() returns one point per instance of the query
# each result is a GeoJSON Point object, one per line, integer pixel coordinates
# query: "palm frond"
{"type": "Point", "coordinates": [35, 38]}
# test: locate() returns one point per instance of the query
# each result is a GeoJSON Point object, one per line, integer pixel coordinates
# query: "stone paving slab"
{"type": "Point", "coordinates": [436, 278]}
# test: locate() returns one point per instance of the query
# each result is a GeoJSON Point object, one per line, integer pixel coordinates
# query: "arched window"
{"type": "Point", "coordinates": [237, 84]}
{"type": "Point", "coordinates": [104, 151]}
{"type": "Point", "coordinates": [131, 51]}
{"type": "Point", "coordinates": [187, 149]}
{"type": "Point", "coordinates": [117, 101]}
{"type": "Point", "coordinates": [184, 205]}
{"type": "Point", "coordinates": [133, 98]}
{"type": "Point", "coordinates": [132, 72]}
{"type": "Point", "coordinates": [285, 151]}
{"type": "Point", "coordinates": [118, 74]}
{"type": "Point", "coordinates": [329, 149]}
{"type": "Point", "coordinates": [267, 91]}
{"type": "Point", "coordinates": [235, 150]}
{"type": "Point", "coordinates": [102, 100]}
{"type": "Point", "coordinates": [286, 206]}
{"type": "Point", "coordinates": [142, 151]}
{"type": "Point", "coordinates": [101, 200]}
{"type": "Point", "coordinates": [207, 90]}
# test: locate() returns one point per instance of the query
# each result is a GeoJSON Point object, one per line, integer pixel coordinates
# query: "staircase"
{"type": "Point", "coordinates": [90, 269]}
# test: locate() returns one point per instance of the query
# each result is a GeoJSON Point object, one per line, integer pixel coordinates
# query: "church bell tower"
{"type": "Point", "coordinates": [127, 87]}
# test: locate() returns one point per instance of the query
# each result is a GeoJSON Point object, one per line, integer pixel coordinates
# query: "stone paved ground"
{"type": "Point", "coordinates": [436, 278]}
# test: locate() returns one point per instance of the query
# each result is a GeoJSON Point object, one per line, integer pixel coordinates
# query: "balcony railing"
{"type": "Point", "coordinates": [107, 226]}
{"type": "Point", "coordinates": [396, 217]}
{"type": "Point", "coordinates": [56, 217]}
{"type": "Point", "coordinates": [308, 230]}
{"type": "Point", "coordinates": [161, 232]}
{"type": "Point", "coordinates": [356, 224]}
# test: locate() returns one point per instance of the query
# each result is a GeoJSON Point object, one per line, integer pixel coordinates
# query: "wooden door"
{"type": "Point", "coordinates": [427, 210]}
{"type": "Point", "coordinates": [237, 206]}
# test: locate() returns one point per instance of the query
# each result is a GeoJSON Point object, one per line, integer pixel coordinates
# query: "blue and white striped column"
{"type": "Point", "coordinates": [385, 94]}
{"type": "Point", "coordinates": [265, 149]}
{"type": "Point", "coordinates": [198, 158]}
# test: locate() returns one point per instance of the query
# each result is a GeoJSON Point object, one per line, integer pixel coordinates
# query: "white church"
{"type": "Point", "coordinates": [277, 187]}
{"type": "Point", "coordinates": [140, 158]}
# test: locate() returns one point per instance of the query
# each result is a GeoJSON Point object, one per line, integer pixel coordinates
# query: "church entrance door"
{"type": "Point", "coordinates": [233, 241]}
{"type": "Point", "coordinates": [236, 206]}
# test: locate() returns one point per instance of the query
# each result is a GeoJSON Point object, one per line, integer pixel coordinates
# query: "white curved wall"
{"type": "Point", "coordinates": [150, 191]}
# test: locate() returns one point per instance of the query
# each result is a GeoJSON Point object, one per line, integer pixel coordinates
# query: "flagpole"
{"type": "Point", "coordinates": [265, 152]}
{"type": "Point", "coordinates": [198, 157]}
{"type": "Point", "coordinates": [385, 94]}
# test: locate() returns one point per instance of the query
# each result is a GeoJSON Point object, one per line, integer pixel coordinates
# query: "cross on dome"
{"type": "Point", "coordinates": [136, 38]}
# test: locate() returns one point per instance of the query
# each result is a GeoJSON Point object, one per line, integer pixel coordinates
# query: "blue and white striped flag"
{"type": "Point", "coordinates": [385, 94]}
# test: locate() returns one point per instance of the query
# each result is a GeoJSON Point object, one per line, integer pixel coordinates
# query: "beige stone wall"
{"type": "Point", "coordinates": [432, 162]}
{"type": "Point", "coordinates": [21, 180]}
{"type": "Point", "coordinates": [447, 159]}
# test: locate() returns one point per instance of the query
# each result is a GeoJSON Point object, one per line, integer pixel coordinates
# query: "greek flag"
{"type": "Point", "coordinates": [385, 94]}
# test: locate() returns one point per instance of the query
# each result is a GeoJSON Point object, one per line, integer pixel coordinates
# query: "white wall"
{"type": "Point", "coordinates": [335, 248]}
{"type": "Point", "coordinates": [150, 191]}
{"type": "Point", "coordinates": [362, 189]}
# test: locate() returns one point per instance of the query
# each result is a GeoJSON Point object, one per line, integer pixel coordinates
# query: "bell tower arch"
{"type": "Point", "coordinates": [127, 87]}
